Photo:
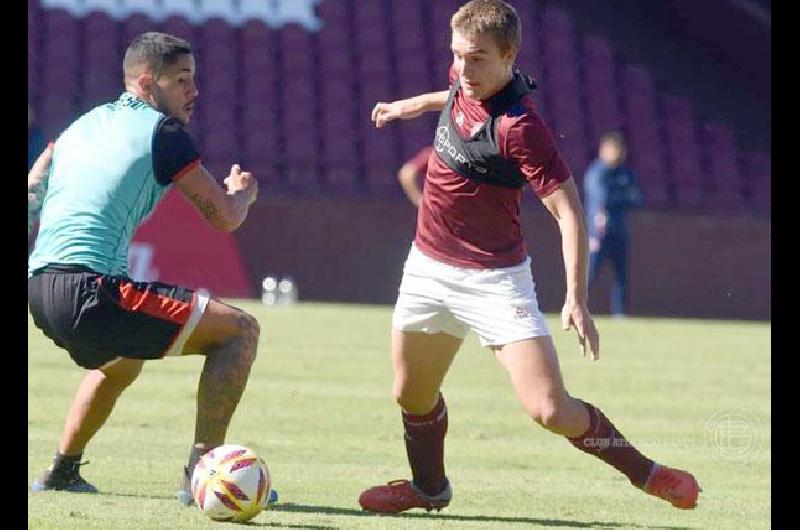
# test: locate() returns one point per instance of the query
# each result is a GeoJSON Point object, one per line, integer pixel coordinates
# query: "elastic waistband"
{"type": "Point", "coordinates": [62, 267]}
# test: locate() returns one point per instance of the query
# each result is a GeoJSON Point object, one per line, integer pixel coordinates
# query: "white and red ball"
{"type": "Point", "coordinates": [231, 483]}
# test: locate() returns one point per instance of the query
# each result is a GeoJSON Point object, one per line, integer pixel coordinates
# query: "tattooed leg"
{"type": "Point", "coordinates": [222, 382]}
{"type": "Point", "coordinates": [228, 338]}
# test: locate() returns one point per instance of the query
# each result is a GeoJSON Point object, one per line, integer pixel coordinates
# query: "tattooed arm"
{"type": "Point", "coordinates": [223, 210]}
{"type": "Point", "coordinates": [37, 185]}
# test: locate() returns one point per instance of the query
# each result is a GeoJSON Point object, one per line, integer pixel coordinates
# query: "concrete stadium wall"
{"type": "Point", "coordinates": [709, 266]}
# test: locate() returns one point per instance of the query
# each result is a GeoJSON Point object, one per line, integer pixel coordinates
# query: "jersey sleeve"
{"type": "Point", "coordinates": [174, 152]}
{"type": "Point", "coordinates": [529, 143]}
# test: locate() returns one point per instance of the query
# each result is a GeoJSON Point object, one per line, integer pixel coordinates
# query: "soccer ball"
{"type": "Point", "coordinates": [231, 483]}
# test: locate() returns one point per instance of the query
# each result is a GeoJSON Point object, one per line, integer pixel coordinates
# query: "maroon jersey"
{"type": "Point", "coordinates": [470, 224]}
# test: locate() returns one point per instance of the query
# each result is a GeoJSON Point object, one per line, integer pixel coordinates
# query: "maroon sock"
{"type": "Point", "coordinates": [424, 435]}
{"type": "Point", "coordinates": [604, 441]}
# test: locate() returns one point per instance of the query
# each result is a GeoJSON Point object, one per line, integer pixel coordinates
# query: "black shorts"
{"type": "Point", "coordinates": [98, 318]}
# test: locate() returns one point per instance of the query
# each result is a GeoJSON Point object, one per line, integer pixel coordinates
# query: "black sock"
{"type": "Point", "coordinates": [194, 457]}
{"type": "Point", "coordinates": [424, 437]}
{"type": "Point", "coordinates": [66, 462]}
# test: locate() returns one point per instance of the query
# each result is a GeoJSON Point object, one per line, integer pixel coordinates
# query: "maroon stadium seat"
{"type": "Point", "coordinates": [331, 11]}
{"type": "Point", "coordinates": [135, 25]}
{"type": "Point", "coordinates": [646, 153]}
{"type": "Point", "coordinates": [725, 176]}
{"type": "Point", "coordinates": [758, 179]}
{"type": "Point", "coordinates": [34, 49]}
{"type": "Point", "coordinates": [601, 90]}
{"type": "Point", "coordinates": [414, 135]}
{"type": "Point", "coordinates": [297, 51]}
{"type": "Point", "coordinates": [373, 13]}
{"type": "Point", "coordinates": [179, 26]}
{"type": "Point", "coordinates": [56, 112]}
{"type": "Point", "coordinates": [682, 150]}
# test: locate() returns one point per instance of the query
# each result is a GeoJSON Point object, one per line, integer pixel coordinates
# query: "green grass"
{"type": "Point", "coordinates": [318, 407]}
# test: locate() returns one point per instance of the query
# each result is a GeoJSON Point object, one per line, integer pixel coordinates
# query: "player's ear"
{"type": "Point", "coordinates": [510, 55]}
{"type": "Point", "coordinates": [145, 81]}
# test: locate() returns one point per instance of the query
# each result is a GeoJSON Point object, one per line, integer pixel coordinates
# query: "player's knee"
{"type": "Point", "coordinates": [123, 374]}
{"type": "Point", "coordinates": [412, 401]}
{"type": "Point", "coordinates": [547, 413]}
{"type": "Point", "coordinates": [249, 333]}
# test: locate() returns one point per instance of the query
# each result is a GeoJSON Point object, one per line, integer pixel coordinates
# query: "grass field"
{"type": "Point", "coordinates": [692, 394]}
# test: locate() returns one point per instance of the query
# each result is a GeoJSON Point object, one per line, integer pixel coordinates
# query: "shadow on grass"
{"type": "Point", "coordinates": [273, 524]}
{"type": "Point", "coordinates": [282, 525]}
{"type": "Point", "coordinates": [136, 495]}
{"type": "Point", "coordinates": [330, 510]}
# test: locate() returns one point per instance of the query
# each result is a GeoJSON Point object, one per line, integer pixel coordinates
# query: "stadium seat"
{"type": "Point", "coordinates": [601, 92]}
{"type": "Point", "coordinates": [646, 153]}
{"type": "Point", "coordinates": [186, 9]}
{"type": "Point", "coordinates": [374, 13]}
{"type": "Point", "coordinates": [414, 135]}
{"type": "Point", "coordinates": [331, 11]}
{"type": "Point", "coordinates": [297, 50]}
{"type": "Point", "coordinates": [726, 185]}
{"type": "Point", "coordinates": [255, 10]}
{"type": "Point", "coordinates": [218, 32]}
{"type": "Point", "coordinates": [682, 150]}
{"type": "Point", "coordinates": [340, 163]}
{"type": "Point", "coordinates": [334, 38]}
{"type": "Point", "coordinates": [373, 89]}
{"type": "Point", "coordinates": [259, 142]}
{"type": "Point", "coordinates": [34, 50]}
{"type": "Point", "coordinates": [258, 46]}
{"type": "Point", "coordinates": [111, 8]}
{"type": "Point", "coordinates": [758, 180]}
{"type": "Point", "coordinates": [134, 25]}
{"type": "Point", "coordinates": [56, 112]}
{"type": "Point", "coordinates": [223, 10]}
{"type": "Point", "coordinates": [179, 26]}
{"type": "Point", "coordinates": [150, 8]}
{"type": "Point", "coordinates": [72, 7]}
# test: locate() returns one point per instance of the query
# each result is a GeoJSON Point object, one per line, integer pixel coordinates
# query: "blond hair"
{"type": "Point", "coordinates": [494, 17]}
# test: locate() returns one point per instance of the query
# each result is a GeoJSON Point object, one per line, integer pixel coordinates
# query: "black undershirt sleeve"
{"type": "Point", "coordinates": [173, 150]}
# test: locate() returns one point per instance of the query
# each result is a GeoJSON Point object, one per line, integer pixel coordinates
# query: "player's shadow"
{"type": "Point", "coordinates": [331, 510]}
{"type": "Point", "coordinates": [284, 525]}
{"type": "Point", "coordinates": [136, 495]}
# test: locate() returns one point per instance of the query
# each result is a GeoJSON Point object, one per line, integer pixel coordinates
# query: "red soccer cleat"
{"type": "Point", "coordinates": [400, 495]}
{"type": "Point", "coordinates": [678, 487]}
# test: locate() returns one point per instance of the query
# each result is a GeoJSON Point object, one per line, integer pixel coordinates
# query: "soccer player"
{"type": "Point", "coordinates": [611, 192]}
{"type": "Point", "coordinates": [468, 268]}
{"type": "Point", "coordinates": [109, 169]}
{"type": "Point", "coordinates": [412, 172]}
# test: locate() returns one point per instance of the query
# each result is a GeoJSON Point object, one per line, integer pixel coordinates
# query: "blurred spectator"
{"type": "Point", "coordinates": [412, 173]}
{"type": "Point", "coordinates": [36, 141]}
{"type": "Point", "coordinates": [610, 193]}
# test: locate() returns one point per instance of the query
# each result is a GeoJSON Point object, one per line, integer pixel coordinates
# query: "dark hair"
{"type": "Point", "coordinates": [156, 50]}
{"type": "Point", "coordinates": [614, 137]}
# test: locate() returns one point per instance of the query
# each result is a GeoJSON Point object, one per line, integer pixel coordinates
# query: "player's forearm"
{"type": "Point", "coordinates": [407, 177]}
{"type": "Point", "coordinates": [417, 105]}
{"type": "Point", "coordinates": [36, 193]}
{"type": "Point", "coordinates": [235, 213]}
{"type": "Point", "coordinates": [37, 185]}
{"type": "Point", "coordinates": [565, 205]}
{"type": "Point", "coordinates": [575, 248]}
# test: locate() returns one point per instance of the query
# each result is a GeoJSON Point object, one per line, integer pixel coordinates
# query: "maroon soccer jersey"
{"type": "Point", "coordinates": [468, 224]}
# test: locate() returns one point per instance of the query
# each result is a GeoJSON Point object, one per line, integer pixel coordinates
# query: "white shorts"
{"type": "Point", "coordinates": [500, 305]}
